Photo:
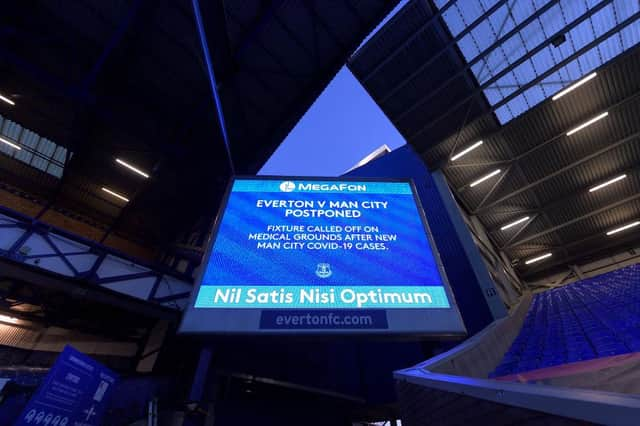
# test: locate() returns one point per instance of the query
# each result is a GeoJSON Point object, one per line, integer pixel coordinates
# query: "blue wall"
{"type": "Point", "coordinates": [405, 163]}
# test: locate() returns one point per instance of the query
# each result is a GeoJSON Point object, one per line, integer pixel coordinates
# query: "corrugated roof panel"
{"type": "Point", "coordinates": [589, 173]}
{"type": "Point", "coordinates": [599, 224]}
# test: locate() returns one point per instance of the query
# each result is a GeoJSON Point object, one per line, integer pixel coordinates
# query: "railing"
{"type": "Point", "coordinates": [456, 379]}
{"type": "Point", "coordinates": [35, 243]}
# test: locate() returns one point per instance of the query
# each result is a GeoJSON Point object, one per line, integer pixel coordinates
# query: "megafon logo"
{"type": "Point", "coordinates": [287, 186]}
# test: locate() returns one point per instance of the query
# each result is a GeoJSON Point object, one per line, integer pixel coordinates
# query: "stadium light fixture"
{"type": "Point", "coordinates": [607, 183]}
{"type": "Point", "coordinates": [7, 100]}
{"type": "Point", "coordinates": [587, 123]}
{"type": "Point", "coordinates": [132, 168]}
{"type": "Point", "coordinates": [115, 194]}
{"type": "Point", "coordinates": [466, 150]}
{"type": "Point", "coordinates": [10, 320]}
{"type": "Point", "coordinates": [624, 228]}
{"type": "Point", "coordinates": [512, 224]}
{"type": "Point", "coordinates": [11, 144]}
{"type": "Point", "coordinates": [574, 86]}
{"type": "Point", "coordinates": [485, 177]}
{"type": "Point", "coordinates": [538, 258]}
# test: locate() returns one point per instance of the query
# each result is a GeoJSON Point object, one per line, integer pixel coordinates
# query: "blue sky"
{"type": "Point", "coordinates": [342, 126]}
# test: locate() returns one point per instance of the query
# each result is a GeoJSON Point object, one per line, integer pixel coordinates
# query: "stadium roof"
{"type": "Point", "coordinates": [420, 69]}
{"type": "Point", "coordinates": [92, 81]}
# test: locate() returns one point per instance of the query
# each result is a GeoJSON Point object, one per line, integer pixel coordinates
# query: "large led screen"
{"type": "Point", "coordinates": [306, 256]}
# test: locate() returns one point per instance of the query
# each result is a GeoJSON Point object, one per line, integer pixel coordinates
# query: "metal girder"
{"type": "Point", "coordinates": [574, 220]}
{"type": "Point", "coordinates": [79, 133]}
{"type": "Point", "coordinates": [566, 61]}
{"type": "Point", "coordinates": [481, 55]}
{"type": "Point", "coordinates": [450, 44]}
{"type": "Point", "coordinates": [519, 231]}
{"type": "Point", "coordinates": [124, 210]}
{"type": "Point", "coordinates": [269, 53]}
{"type": "Point", "coordinates": [495, 186]}
{"type": "Point", "coordinates": [294, 37]}
{"type": "Point", "coordinates": [266, 10]}
{"type": "Point", "coordinates": [212, 81]}
{"type": "Point", "coordinates": [433, 18]}
{"type": "Point", "coordinates": [584, 17]}
{"type": "Point", "coordinates": [354, 12]}
{"type": "Point", "coordinates": [114, 41]}
{"type": "Point", "coordinates": [542, 83]}
{"type": "Point", "coordinates": [47, 248]}
{"type": "Point", "coordinates": [570, 166]}
{"type": "Point", "coordinates": [476, 164]}
{"type": "Point", "coordinates": [323, 24]}
{"type": "Point", "coordinates": [543, 209]}
{"type": "Point", "coordinates": [25, 273]}
{"type": "Point", "coordinates": [519, 157]}
{"type": "Point", "coordinates": [611, 243]}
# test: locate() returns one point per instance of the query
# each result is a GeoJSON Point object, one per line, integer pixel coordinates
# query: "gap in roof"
{"type": "Point", "coordinates": [513, 80]}
{"type": "Point", "coordinates": [342, 127]}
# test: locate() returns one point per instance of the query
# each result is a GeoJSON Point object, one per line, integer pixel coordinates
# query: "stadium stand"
{"type": "Point", "coordinates": [592, 318]}
{"type": "Point", "coordinates": [571, 353]}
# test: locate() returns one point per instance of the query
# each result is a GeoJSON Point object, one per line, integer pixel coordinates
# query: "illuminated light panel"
{"type": "Point", "coordinates": [485, 177]}
{"type": "Point", "coordinates": [607, 183]}
{"type": "Point", "coordinates": [466, 151]}
{"type": "Point", "coordinates": [11, 144]}
{"type": "Point", "coordinates": [512, 224]}
{"type": "Point", "coordinates": [7, 100]}
{"type": "Point", "coordinates": [574, 86]}
{"type": "Point", "coordinates": [132, 168]}
{"type": "Point", "coordinates": [587, 123]}
{"type": "Point", "coordinates": [624, 228]}
{"type": "Point", "coordinates": [538, 259]}
{"type": "Point", "coordinates": [10, 320]}
{"type": "Point", "coordinates": [115, 194]}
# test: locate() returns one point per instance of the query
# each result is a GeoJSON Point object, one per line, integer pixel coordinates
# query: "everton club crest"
{"type": "Point", "coordinates": [323, 270]}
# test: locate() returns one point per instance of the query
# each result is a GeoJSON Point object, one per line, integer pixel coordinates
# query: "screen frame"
{"type": "Point", "coordinates": [440, 317]}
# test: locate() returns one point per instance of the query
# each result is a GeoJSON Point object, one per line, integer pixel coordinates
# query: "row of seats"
{"type": "Point", "coordinates": [591, 318]}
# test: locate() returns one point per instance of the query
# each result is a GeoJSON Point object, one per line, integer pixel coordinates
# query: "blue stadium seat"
{"type": "Point", "coordinates": [591, 318]}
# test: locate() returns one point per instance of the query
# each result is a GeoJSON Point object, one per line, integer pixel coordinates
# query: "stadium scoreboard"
{"type": "Point", "coordinates": [308, 256]}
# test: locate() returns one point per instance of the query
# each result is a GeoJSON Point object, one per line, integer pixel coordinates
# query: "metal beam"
{"type": "Point", "coordinates": [266, 10]}
{"type": "Point", "coordinates": [546, 74]}
{"type": "Point", "coordinates": [566, 61]}
{"type": "Point", "coordinates": [558, 203]}
{"type": "Point", "coordinates": [355, 13]}
{"type": "Point", "coordinates": [81, 291]}
{"type": "Point", "coordinates": [114, 41]}
{"type": "Point", "coordinates": [574, 220]}
{"type": "Point", "coordinates": [294, 37]}
{"type": "Point", "coordinates": [495, 186]}
{"type": "Point", "coordinates": [450, 44]}
{"type": "Point", "coordinates": [485, 164]}
{"type": "Point", "coordinates": [519, 157]}
{"type": "Point", "coordinates": [433, 18]}
{"type": "Point", "coordinates": [485, 52]}
{"type": "Point", "coordinates": [541, 77]}
{"type": "Point", "coordinates": [212, 82]}
{"type": "Point", "coordinates": [584, 17]}
{"type": "Point", "coordinates": [570, 166]}
{"type": "Point", "coordinates": [611, 243]}
{"type": "Point", "coordinates": [134, 199]}
{"type": "Point", "coordinates": [325, 27]}
{"type": "Point", "coordinates": [270, 54]}
{"type": "Point", "coordinates": [516, 234]}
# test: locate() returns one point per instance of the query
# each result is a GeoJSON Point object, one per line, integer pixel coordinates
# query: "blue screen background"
{"type": "Point", "coordinates": [235, 260]}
